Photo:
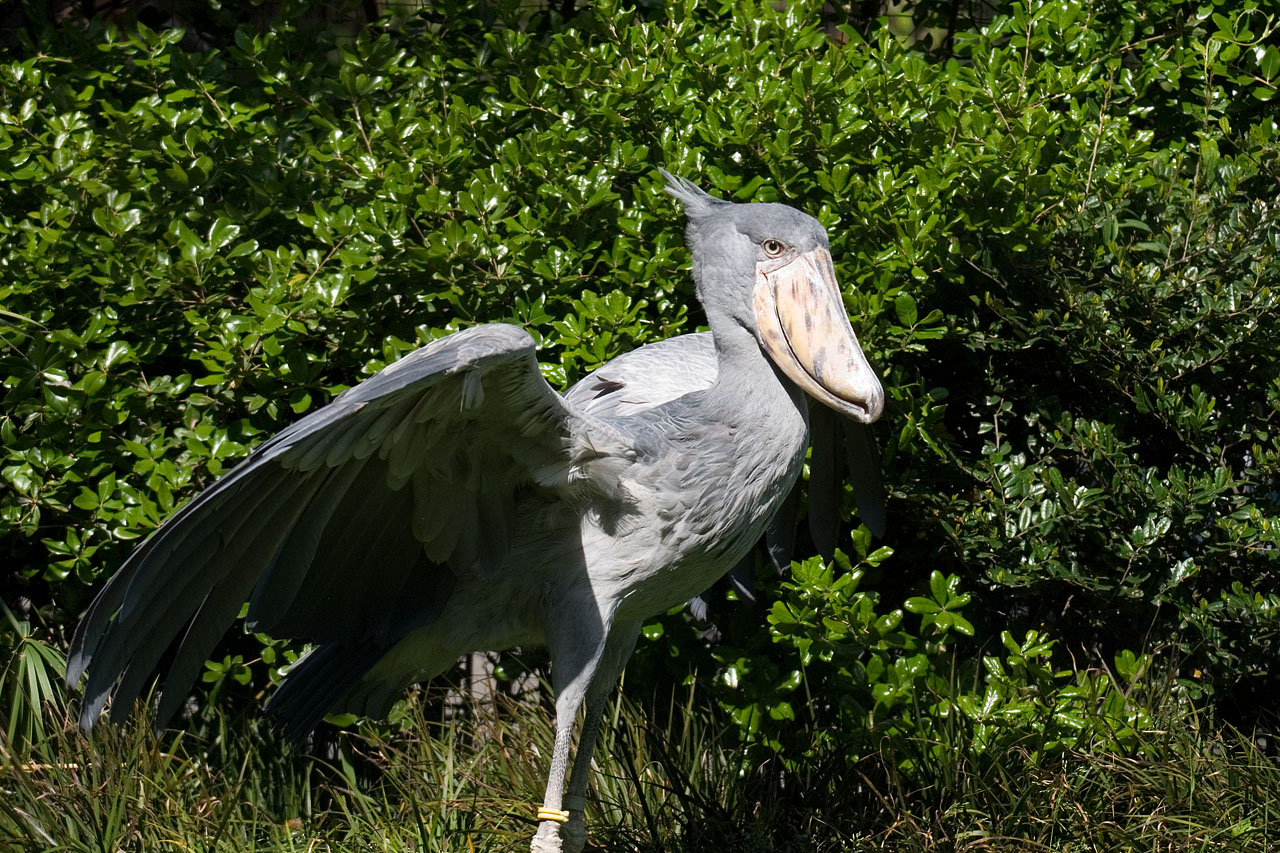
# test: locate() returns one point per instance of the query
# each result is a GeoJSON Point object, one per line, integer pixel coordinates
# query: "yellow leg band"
{"type": "Point", "coordinates": [557, 815]}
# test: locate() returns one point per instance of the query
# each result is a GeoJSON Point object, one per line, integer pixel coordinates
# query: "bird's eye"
{"type": "Point", "coordinates": [773, 248]}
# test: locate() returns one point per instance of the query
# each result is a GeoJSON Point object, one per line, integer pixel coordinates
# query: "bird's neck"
{"type": "Point", "coordinates": [746, 380]}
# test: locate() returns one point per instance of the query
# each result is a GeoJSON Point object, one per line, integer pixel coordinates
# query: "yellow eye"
{"type": "Point", "coordinates": [773, 248]}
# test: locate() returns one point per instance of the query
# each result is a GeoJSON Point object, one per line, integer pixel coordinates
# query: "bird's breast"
{"type": "Point", "coordinates": [703, 502]}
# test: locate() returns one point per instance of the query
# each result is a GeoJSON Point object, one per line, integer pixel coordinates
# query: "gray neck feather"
{"type": "Point", "coordinates": [747, 383]}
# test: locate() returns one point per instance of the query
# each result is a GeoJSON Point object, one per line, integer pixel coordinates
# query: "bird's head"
{"type": "Point", "coordinates": [768, 267]}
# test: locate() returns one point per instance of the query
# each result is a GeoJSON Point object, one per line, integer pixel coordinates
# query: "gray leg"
{"type": "Point", "coordinates": [622, 639]}
{"type": "Point", "coordinates": [576, 652]}
{"type": "Point", "coordinates": [568, 700]}
{"type": "Point", "coordinates": [590, 681]}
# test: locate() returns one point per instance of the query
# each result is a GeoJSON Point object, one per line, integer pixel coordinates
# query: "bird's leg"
{"type": "Point", "coordinates": [547, 839]}
{"type": "Point", "coordinates": [576, 652]}
{"type": "Point", "coordinates": [622, 639]}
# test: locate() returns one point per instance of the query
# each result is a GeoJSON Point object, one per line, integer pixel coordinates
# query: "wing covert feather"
{"type": "Point", "coordinates": [643, 378]}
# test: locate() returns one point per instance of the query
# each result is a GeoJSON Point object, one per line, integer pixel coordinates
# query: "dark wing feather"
{"type": "Point", "coordinates": [826, 488]}
{"type": "Point", "coordinates": [864, 472]}
{"type": "Point", "coordinates": [780, 537]}
{"type": "Point", "coordinates": [317, 682]}
{"type": "Point", "coordinates": [350, 525]}
{"type": "Point", "coordinates": [828, 433]}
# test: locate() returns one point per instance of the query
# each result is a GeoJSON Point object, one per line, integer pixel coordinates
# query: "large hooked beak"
{"type": "Point", "coordinates": [804, 329]}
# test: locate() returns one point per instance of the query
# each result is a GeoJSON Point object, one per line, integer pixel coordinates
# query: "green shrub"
{"type": "Point", "coordinates": [863, 681]}
{"type": "Point", "coordinates": [1059, 241]}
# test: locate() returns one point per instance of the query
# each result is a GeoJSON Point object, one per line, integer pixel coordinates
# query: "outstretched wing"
{"type": "Point", "coordinates": [352, 524]}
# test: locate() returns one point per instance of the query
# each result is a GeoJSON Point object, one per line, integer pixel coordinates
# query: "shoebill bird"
{"type": "Point", "coordinates": [455, 502]}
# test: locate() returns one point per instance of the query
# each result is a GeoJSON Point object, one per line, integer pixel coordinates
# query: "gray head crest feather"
{"type": "Point", "coordinates": [695, 201]}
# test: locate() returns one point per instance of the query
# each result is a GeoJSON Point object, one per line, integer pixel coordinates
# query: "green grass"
{"type": "Point", "coordinates": [470, 784]}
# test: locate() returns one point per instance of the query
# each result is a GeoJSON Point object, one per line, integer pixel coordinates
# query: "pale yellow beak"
{"type": "Point", "coordinates": [805, 331]}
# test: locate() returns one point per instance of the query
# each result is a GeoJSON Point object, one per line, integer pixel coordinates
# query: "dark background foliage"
{"type": "Point", "coordinates": [1058, 237]}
